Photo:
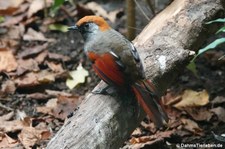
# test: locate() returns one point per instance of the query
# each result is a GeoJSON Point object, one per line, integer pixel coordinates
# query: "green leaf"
{"type": "Point", "coordinates": [192, 67]}
{"type": "Point", "coordinates": [58, 27]}
{"type": "Point", "coordinates": [221, 30]}
{"type": "Point", "coordinates": [55, 6]}
{"type": "Point", "coordinates": [2, 19]}
{"type": "Point", "coordinates": [220, 20]}
{"type": "Point", "coordinates": [57, 3]}
{"type": "Point", "coordinates": [211, 45]}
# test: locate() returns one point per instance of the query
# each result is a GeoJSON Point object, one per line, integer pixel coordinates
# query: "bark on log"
{"type": "Point", "coordinates": [105, 122]}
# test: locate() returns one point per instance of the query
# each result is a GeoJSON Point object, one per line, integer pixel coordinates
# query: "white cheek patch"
{"type": "Point", "coordinates": [162, 62]}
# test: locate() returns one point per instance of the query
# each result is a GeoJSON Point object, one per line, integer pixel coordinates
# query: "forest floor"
{"type": "Point", "coordinates": [36, 62]}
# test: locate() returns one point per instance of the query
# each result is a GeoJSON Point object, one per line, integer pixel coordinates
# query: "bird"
{"type": "Point", "coordinates": [116, 61]}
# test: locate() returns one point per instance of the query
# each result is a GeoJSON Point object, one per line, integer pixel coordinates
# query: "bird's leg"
{"type": "Point", "coordinates": [104, 90]}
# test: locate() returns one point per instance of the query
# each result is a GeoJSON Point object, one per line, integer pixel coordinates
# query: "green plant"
{"type": "Point", "coordinates": [2, 19]}
{"type": "Point", "coordinates": [58, 27]}
{"type": "Point", "coordinates": [191, 66]}
{"type": "Point", "coordinates": [55, 7]}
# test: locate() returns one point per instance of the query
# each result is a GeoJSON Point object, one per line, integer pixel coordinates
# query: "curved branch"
{"type": "Point", "coordinates": [105, 121]}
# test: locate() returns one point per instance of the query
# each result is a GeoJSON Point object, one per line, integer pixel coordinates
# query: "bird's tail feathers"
{"type": "Point", "coordinates": [145, 94]}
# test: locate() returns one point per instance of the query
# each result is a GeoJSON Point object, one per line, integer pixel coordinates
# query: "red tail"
{"type": "Point", "coordinates": [144, 92]}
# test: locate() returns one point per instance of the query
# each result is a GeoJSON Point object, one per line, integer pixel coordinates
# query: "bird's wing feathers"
{"type": "Point", "coordinates": [135, 53]}
{"type": "Point", "coordinates": [108, 67]}
{"type": "Point", "coordinates": [118, 56]}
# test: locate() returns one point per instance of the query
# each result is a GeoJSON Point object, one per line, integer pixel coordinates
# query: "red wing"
{"type": "Point", "coordinates": [108, 70]}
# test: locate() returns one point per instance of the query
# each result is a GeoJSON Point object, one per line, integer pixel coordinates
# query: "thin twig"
{"type": "Point", "coordinates": [45, 9]}
{"type": "Point", "coordinates": [5, 107]}
{"type": "Point", "coordinates": [221, 57]}
{"type": "Point", "coordinates": [135, 28]}
{"type": "Point", "coordinates": [151, 6]}
{"type": "Point", "coordinates": [142, 11]}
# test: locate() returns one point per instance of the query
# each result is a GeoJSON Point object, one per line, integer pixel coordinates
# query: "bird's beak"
{"type": "Point", "coordinates": [74, 27]}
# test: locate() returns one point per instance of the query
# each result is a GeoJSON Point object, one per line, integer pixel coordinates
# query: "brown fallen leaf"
{"type": "Point", "coordinates": [83, 11]}
{"type": "Point", "coordinates": [1, 136]}
{"type": "Point", "coordinates": [29, 136]}
{"type": "Point", "coordinates": [100, 11]}
{"type": "Point", "coordinates": [45, 77]}
{"type": "Point", "coordinates": [9, 6]}
{"type": "Point", "coordinates": [41, 57]}
{"type": "Point", "coordinates": [7, 116]}
{"type": "Point", "coordinates": [149, 126]}
{"type": "Point", "coordinates": [58, 93]}
{"type": "Point", "coordinates": [173, 113]}
{"type": "Point", "coordinates": [8, 11]}
{"type": "Point", "coordinates": [220, 113]}
{"type": "Point", "coordinates": [60, 107]}
{"type": "Point", "coordinates": [9, 21]}
{"type": "Point", "coordinates": [35, 78]}
{"type": "Point", "coordinates": [142, 139]}
{"type": "Point", "coordinates": [66, 105]}
{"type": "Point", "coordinates": [15, 32]}
{"type": "Point", "coordinates": [4, 4]}
{"type": "Point", "coordinates": [55, 67]}
{"type": "Point", "coordinates": [45, 135]}
{"type": "Point", "coordinates": [7, 61]}
{"type": "Point", "coordinates": [218, 100]}
{"type": "Point", "coordinates": [191, 126]}
{"type": "Point", "coordinates": [174, 123]}
{"type": "Point", "coordinates": [7, 43]}
{"type": "Point", "coordinates": [10, 140]}
{"type": "Point", "coordinates": [199, 114]}
{"type": "Point", "coordinates": [38, 96]}
{"type": "Point", "coordinates": [37, 5]}
{"type": "Point", "coordinates": [136, 132]}
{"type": "Point", "coordinates": [183, 133]}
{"type": "Point", "coordinates": [32, 35]}
{"type": "Point", "coordinates": [32, 51]}
{"type": "Point", "coordinates": [58, 57]}
{"type": "Point", "coordinates": [31, 20]}
{"type": "Point", "coordinates": [25, 65]}
{"type": "Point", "coordinates": [171, 98]}
{"type": "Point", "coordinates": [192, 98]}
{"type": "Point", "coordinates": [11, 126]}
{"type": "Point", "coordinates": [8, 87]}
{"type": "Point", "coordinates": [149, 141]}
{"type": "Point", "coordinates": [8, 143]}
{"type": "Point", "coordinates": [49, 106]}
{"type": "Point", "coordinates": [21, 9]}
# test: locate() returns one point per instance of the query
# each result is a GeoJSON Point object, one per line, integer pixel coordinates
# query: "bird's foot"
{"type": "Point", "coordinates": [108, 90]}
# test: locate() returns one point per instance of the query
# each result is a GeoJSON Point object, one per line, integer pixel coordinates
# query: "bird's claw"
{"type": "Point", "coordinates": [100, 91]}
{"type": "Point", "coordinates": [103, 91]}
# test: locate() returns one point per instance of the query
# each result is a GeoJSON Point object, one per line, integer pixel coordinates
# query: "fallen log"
{"type": "Point", "coordinates": [164, 46]}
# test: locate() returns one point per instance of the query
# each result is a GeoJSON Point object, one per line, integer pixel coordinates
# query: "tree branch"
{"type": "Point", "coordinates": [105, 121]}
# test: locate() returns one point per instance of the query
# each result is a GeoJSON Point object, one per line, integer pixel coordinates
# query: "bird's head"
{"type": "Point", "coordinates": [90, 26]}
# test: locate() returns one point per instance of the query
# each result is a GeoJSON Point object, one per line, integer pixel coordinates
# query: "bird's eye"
{"type": "Point", "coordinates": [87, 25]}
